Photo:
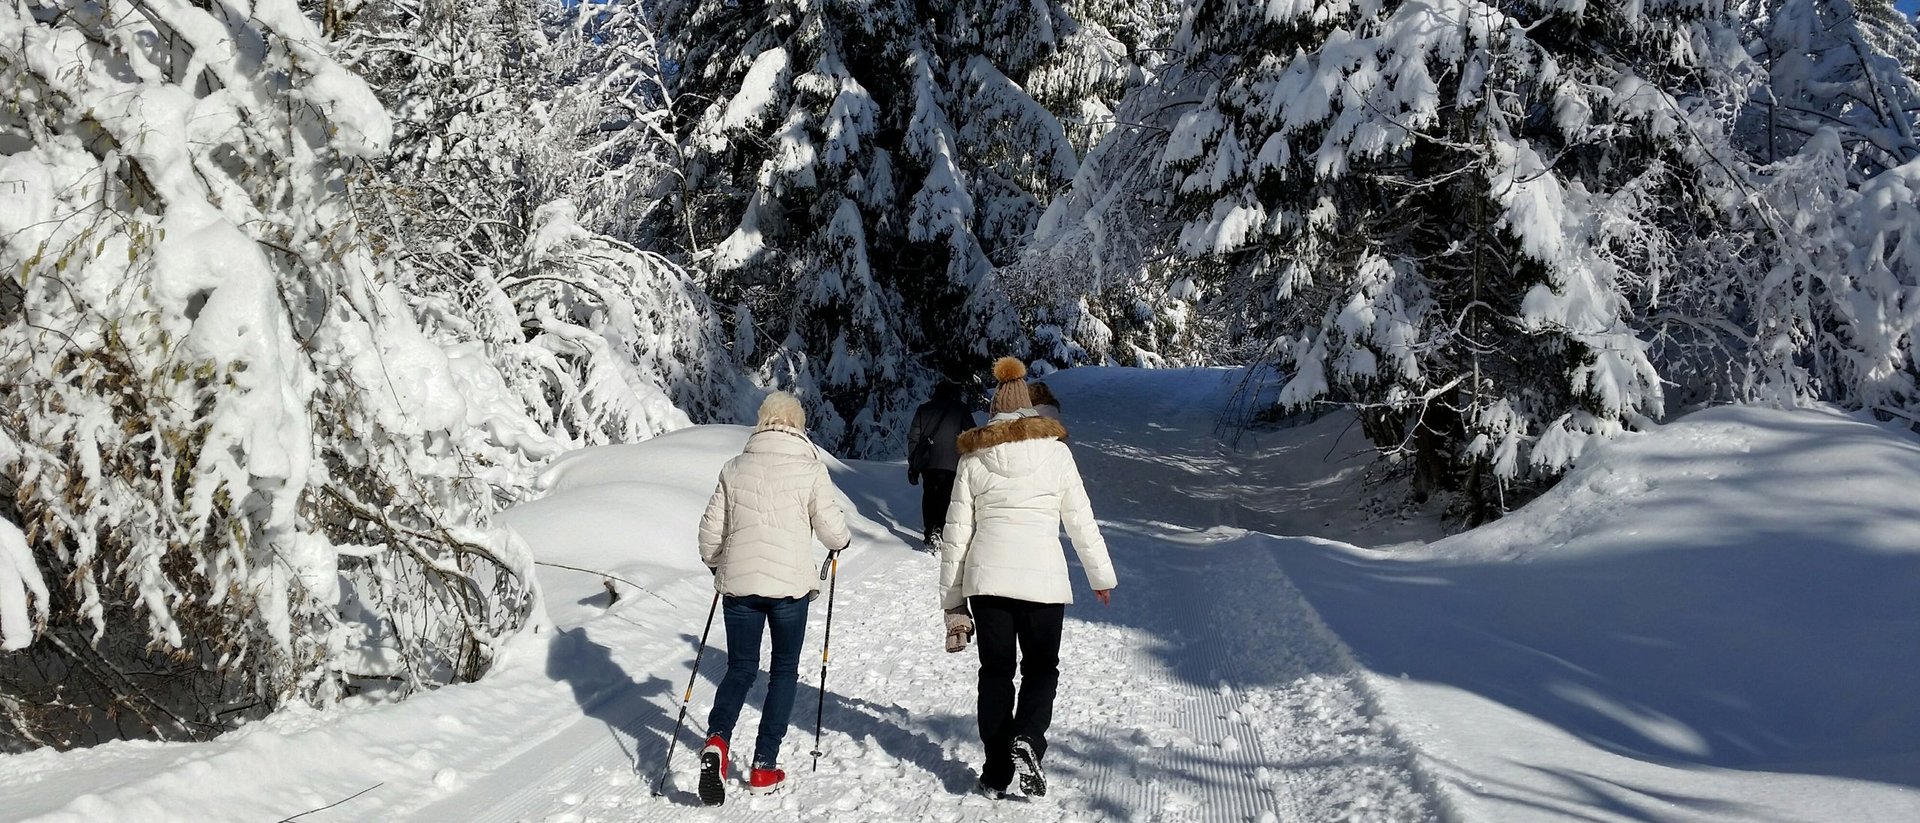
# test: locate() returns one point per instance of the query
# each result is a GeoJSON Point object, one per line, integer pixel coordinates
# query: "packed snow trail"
{"type": "Point", "coordinates": [1183, 701]}
{"type": "Point", "coordinates": [1207, 692]}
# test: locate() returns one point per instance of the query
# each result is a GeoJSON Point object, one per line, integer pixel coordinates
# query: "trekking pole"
{"type": "Point", "coordinates": [688, 697]}
{"type": "Point", "coordinates": [826, 643]}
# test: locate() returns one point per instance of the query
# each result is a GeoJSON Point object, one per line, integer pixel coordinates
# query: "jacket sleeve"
{"type": "Point", "coordinates": [1076, 511]}
{"type": "Point", "coordinates": [915, 434]}
{"type": "Point", "coordinates": [713, 525]}
{"type": "Point", "coordinates": [829, 522]}
{"type": "Point", "coordinates": [956, 537]}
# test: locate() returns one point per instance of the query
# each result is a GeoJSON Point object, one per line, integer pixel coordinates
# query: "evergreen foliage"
{"type": "Point", "coordinates": [856, 173]}
{"type": "Point", "coordinates": [1498, 229]}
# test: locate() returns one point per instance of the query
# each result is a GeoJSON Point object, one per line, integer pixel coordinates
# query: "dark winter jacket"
{"type": "Point", "coordinates": [932, 441]}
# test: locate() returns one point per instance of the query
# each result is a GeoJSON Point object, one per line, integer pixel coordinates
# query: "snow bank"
{"type": "Point", "coordinates": [1714, 620]}
{"type": "Point", "coordinates": [634, 509]}
{"type": "Point", "coordinates": [1725, 474]}
{"type": "Point", "coordinates": [631, 510]}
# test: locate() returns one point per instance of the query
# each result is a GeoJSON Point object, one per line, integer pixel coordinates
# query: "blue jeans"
{"type": "Point", "coordinates": [786, 620]}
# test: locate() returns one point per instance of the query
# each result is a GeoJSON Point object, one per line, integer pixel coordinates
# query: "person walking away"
{"type": "Point", "coordinates": [1001, 560]}
{"type": "Point", "coordinates": [756, 536]}
{"type": "Point", "coordinates": [932, 454]}
{"type": "Point", "coordinates": [1043, 400]}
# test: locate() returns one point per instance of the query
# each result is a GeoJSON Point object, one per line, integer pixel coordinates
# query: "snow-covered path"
{"type": "Point", "coordinates": [1709, 623]}
{"type": "Point", "coordinates": [1208, 691]}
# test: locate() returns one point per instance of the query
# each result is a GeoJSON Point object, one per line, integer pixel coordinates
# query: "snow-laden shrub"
{"type": "Point", "coordinates": [1097, 282]}
{"type": "Point", "coordinates": [1810, 292]}
{"type": "Point", "coordinates": [235, 457]}
{"type": "Point", "coordinates": [520, 158]}
{"type": "Point", "coordinates": [601, 107]}
{"type": "Point", "coordinates": [620, 344]}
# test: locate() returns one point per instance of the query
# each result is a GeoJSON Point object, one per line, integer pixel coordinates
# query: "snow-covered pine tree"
{"type": "Point", "coordinates": [1439, 212]}
{"type": "Point", "coordinates": [1890, 31]}
{"type": "Point", "coordinates": [857, 171]}
{"type": "Point", "coordinates": [1792, 293]}
{"type": "Point", "coordinates": [1108, 48]}
{"type": "Point", "coordinates": [233, 454]}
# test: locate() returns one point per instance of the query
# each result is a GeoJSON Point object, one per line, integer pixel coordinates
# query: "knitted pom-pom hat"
{"type": "Point", "coordinates": [782, 409]}
{"type": "Point", "coordinates": [1012, 393]}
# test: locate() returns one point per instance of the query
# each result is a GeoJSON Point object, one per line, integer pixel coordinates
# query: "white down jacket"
{"type": "Point", "coordinates": [1016, 484]}
{"type": "Point", "coordinates": [773, 499]}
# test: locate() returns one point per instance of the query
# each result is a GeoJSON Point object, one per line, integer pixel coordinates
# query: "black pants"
{"type": "Point", "coordinates": [936, 490]}
{"type": "Point", "coordinates": [1001, 624]}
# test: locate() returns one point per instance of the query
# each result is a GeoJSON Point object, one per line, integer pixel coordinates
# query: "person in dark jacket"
{"type": "Point", "coordinates": [933, 454]}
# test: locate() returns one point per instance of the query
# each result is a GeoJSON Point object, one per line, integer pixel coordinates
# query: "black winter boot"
{"type": "Point", "coordinates": [1026, 762]}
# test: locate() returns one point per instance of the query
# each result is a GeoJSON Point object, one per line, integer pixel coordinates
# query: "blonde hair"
{"type": "Point", "coordinates": [782, 409]}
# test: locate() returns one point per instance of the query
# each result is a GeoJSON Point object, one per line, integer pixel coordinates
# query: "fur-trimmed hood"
{"type": "Point", "coordinates": [1010, 431]}
{"type": "Point", "coordinates": [1017, 447]}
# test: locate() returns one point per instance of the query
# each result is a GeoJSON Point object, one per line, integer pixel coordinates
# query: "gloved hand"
{"type": "Point", "coordinates": [832, 555]}
{"type": "Point", "coordinates": [913, 478]}
{"type": "Point", "coordinates": [959, 628]}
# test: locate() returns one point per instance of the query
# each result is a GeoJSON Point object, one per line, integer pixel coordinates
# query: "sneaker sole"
{"type": "Point", "coordinates": [1033, 782]}
{"type": "Point", "coordinates": [713, 786]}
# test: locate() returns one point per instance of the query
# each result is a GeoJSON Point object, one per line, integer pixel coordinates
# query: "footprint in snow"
{"type": "Point", "coordinates": [849, 801]}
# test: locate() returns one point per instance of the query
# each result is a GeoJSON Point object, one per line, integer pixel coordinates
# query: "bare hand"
{"type": "Point", "coordinates": [1105, 595]}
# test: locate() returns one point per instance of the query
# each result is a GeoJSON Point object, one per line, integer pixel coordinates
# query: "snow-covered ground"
{"type": "Point", "coordinates": [1716, 621]}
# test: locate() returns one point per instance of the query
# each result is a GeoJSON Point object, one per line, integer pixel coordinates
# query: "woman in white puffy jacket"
{"type": "Point", "coordinates": [1004, 577]}
{"type": "Point", "coordinates": [757, 537]}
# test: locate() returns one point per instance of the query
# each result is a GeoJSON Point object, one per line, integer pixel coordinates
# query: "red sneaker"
{"type": "Point", "coordinates": [766, 781]}
{"type": "Point", "coordinates": [713, 771]}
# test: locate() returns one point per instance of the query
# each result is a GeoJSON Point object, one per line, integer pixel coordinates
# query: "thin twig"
{"type": "Point", "coordinates": [333, 804]}
{"type": "Point", "coordinates": [607, 575]}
